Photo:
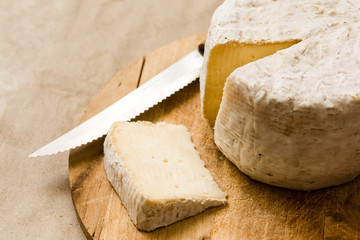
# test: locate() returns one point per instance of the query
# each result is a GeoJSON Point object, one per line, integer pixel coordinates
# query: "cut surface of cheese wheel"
{"type": "Point", "coordinates": [225, 58]}
{"type": "Point", "coordinates": [158, 174]}
{"type": "Point", "coordinates": [290, 117]}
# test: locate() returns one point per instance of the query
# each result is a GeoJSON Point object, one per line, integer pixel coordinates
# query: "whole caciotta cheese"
{"type": "Point", "coordinates": [289, 115]}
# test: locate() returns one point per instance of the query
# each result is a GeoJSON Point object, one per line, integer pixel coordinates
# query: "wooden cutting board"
{"type": "Point", "coordinates": [254, 210]}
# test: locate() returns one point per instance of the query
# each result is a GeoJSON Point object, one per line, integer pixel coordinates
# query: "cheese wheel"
{"type": "Point", "coordinates": [290, 112]}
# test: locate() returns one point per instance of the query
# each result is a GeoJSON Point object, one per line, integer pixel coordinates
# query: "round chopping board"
{"type": "Point", "coordinates": [254, 210]}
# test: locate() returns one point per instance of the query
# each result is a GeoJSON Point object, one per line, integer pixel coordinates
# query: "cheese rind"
{"type": "Point", "coordinates": [158, 174]}
{"type": "Point", "coordinates": [291, 119]}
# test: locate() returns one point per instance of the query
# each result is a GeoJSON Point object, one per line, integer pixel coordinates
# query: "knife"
{"type": "Point", "coordinates": [164, 84]}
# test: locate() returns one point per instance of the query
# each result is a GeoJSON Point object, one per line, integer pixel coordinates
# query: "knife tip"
{"type": "Point", "coordinates": [34, 154]}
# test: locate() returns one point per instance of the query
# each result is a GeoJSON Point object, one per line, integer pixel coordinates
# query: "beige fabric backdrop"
{"type": "Point", "coordinates": [54, 57]}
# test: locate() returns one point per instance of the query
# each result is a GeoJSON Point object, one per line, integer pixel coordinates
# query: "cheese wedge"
{"type": "Point", "coordinates": [158, 174]}
{"type": "Point", "coordinates": [290, 112]}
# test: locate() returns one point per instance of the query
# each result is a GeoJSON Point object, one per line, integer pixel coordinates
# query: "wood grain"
{"type": "Point", "coordinates": [254, 210]}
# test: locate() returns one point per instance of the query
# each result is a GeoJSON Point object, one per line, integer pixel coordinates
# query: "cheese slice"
{"type": "Point", "coordinates": [158, 174]}
{"type": "Point", "coordinates": [289, 113]}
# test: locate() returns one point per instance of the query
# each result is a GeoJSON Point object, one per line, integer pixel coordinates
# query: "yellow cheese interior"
{"type": "Point", "coordinates": [224, 59]}
{"type": "Point", "coordinates": [163, 162]}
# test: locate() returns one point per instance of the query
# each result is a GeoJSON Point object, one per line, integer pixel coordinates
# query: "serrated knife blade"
{"type": "Point", "coordinates": [163, 85]}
